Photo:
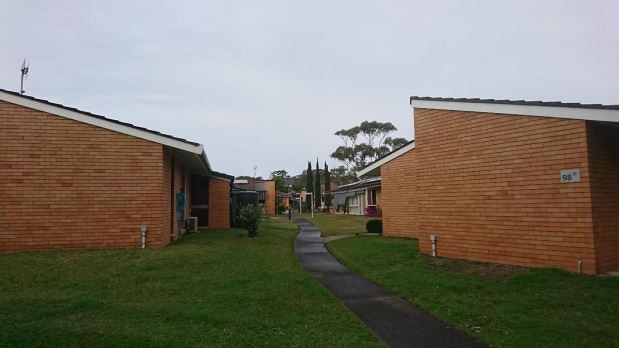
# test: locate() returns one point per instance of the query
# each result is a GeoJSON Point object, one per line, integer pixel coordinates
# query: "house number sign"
{"type": "Point", "coordinates": [570, 175]}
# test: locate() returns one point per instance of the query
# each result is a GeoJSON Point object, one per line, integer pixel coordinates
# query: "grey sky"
{"type": "Point", "coordinates": [267, 83]}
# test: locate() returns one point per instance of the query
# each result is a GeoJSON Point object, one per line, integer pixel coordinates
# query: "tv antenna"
{"type": "Point", "coordinates": [24, 73]}
{"type": "Point", "coordinates": [255, 167]}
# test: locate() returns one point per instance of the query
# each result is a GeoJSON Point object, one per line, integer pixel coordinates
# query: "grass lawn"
{"type": "Point", "coordinates": [337, 224]}
{"type": "Point", "coordinates": [216, 288]}
{"type": "Point", "coordinates": [525, 308]}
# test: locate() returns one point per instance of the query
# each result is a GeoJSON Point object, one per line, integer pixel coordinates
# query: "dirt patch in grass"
{"type": "Point", "coordinates": [474, 267]}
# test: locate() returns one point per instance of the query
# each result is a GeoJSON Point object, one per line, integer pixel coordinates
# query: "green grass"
{"type": "Point", "coordinates": [216, 288]}
{"type": "Point", "coordinates": [338, 224]}
{"type": "Point", "coordinates": [530, 308]}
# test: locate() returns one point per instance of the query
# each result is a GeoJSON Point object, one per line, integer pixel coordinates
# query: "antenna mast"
{"type": "Point", "coordinates": [24, 73]}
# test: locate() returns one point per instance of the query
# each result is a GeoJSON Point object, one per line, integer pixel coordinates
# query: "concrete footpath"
{"type": "Point", "coordinates": [397, 322]}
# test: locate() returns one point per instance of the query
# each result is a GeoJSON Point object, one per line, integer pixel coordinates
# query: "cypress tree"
{"type": "Point", "coordinates": [317, 199]}
{"type": "Point", "coordinates": [309, 181]}
{"type": "Point", "coordinates": [327, 186]}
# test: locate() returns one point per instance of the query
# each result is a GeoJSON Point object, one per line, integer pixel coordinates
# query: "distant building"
{"type": "Point", "coordinates": [265, 190]}
{"type": "Point", "coordinates": [358, 198]}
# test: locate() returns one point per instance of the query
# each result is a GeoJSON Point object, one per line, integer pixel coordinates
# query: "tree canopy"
{"type": "Point", "coordinates": [279, 177]}
{"type": "Point", "coordinates": [365, 143]}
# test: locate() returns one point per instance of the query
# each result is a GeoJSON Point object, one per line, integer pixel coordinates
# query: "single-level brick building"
{"type": "Point", "coordinates": [72, 179]}
{"type": "Point", "coordinates": [358, 198]}
{"type": "Point", "coordinates": [514, 182]}
{"type": "Point", "coordinates": [265, 190]}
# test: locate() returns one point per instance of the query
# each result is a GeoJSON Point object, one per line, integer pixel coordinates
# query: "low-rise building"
{"type": "Point", "coordinates": [514, 182]}
{"type": "Point", "coordinates": [358, 198]}
{"type": "Point", "coordinates": [73, 179]}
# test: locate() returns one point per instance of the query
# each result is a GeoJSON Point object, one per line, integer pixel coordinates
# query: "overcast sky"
{"type": "Point", "coordinates": [267, 83]}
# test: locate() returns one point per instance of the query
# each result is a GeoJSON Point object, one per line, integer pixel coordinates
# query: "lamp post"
{"type": "Point", "coordinates": [311, 194]}
{"type": "Point", "coordinates": [289, 203]}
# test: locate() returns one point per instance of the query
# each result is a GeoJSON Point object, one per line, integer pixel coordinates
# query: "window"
{"type": "Point", "coordinates": [262, 197]}
{"type": "Point", "coordinates": [372, 197]}
{"type": "Point", "coordinates": [352, 201]}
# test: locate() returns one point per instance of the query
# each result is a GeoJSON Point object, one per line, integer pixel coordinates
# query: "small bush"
{"type": "Point", "coordinates": [249, 217]}
{"type": "Point", "coordinates": [371, 211]}
{"type": "Point", "coordinates": [374, 226]}
{"type": "Point", "coordinates": [280, 208]}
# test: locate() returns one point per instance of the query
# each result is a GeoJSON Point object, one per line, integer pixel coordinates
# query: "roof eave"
{"type": "Point", "coordinates": [520, 108]}
{"type": "Point", "coordinates": [99, 121]}
{"type": "Point", "coordinates": [374, 168]}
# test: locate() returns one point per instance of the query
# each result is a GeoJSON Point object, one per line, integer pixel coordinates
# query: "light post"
{"type": "Point", "coordinates": [289, 203]}
{"type": "Point", "coordinates": [311, 194]}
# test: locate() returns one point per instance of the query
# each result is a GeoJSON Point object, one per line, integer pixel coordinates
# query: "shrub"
{"type": "Point", "coordinates": [280, 208]}
{"type": "Point", "coordinates": [249, 217]}
{"type": "Point", "coordinates": [374, 226]}
{"type": "Point", "coordinates": [371, 211]}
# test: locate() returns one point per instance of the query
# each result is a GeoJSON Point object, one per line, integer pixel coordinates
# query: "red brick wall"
{"type": "Point", "coordinates": [399, 196]}
{"type": "Point", "coordinates": [604, 161]}
{"type": "Point", "coordinates": [166, 197]}
{"type": "Point", "coordinates": [219, 203]}
{"type": "Point", "coordinates": [66, 184]}
{"type": "Point", "coordinates": [269, 204]}
{"type": "Point", "coordinates": [488, 187]}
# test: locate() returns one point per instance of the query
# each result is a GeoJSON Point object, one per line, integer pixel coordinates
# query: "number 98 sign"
{"type": "Point", "coordinates": [570, 175]}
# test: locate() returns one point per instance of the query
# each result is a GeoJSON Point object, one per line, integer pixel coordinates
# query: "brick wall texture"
{"type": "Point", "coordinates": [488, 187]}
{"type": "Point", "coordinates": [219, 203]}
{"type": "Point", "coordinates": [67, 184]}
{"type": "Point", "coordinates": [269, 204]}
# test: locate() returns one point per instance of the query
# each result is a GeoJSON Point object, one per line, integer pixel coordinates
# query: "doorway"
{"type": "Point", "coordinates": [199, 198]}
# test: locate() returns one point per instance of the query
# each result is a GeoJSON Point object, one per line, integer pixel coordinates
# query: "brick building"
{"type": "Point", "coordinates": [72, 179]}
{"type": "Point", "coordinates": [266, 192]}
{"type": "Point", "coordinates": [515, 182]}
{"type": "Point", "coordinates": [358, 198]}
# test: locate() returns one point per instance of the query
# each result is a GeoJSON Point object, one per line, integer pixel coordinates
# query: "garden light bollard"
{"type": "Point", "coordinates": [144, 231]}
{"type": "Point", "coordinates": [433, 240]}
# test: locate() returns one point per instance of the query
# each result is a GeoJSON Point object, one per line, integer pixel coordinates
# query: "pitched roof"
{"type": "Point", "coordinates": [373, 168]}
{"type": "Point", "coordinates": [390, 153]}
{"type": "Point", "coordinates": [194, 151]}
{"type": "Point", "coordinates": [363, 183]}
{"type": "Point", "coordinates": [68, 108]}
{"type": "Point", "coordinates": [589, 112]}
{"type": "Point", "coordinates": [519, 102]}
{"type": "Point", "coordinates": [223, 176]}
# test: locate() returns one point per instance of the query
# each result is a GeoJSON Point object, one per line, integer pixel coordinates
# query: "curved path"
{"type": "Point", "coordinates": [397, 322]}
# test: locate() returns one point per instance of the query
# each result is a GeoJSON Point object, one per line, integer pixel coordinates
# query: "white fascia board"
{"type": "Point", "coordinates": [77, 116]}
{"type": "Point", "coordinates": [222, 179]}
{"type": "Point", "coordinates": [205, 159]}
{"type": "Point", "coordinates": [386, 159]}
{"type": "Point", "coordinates": [588, 114]}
